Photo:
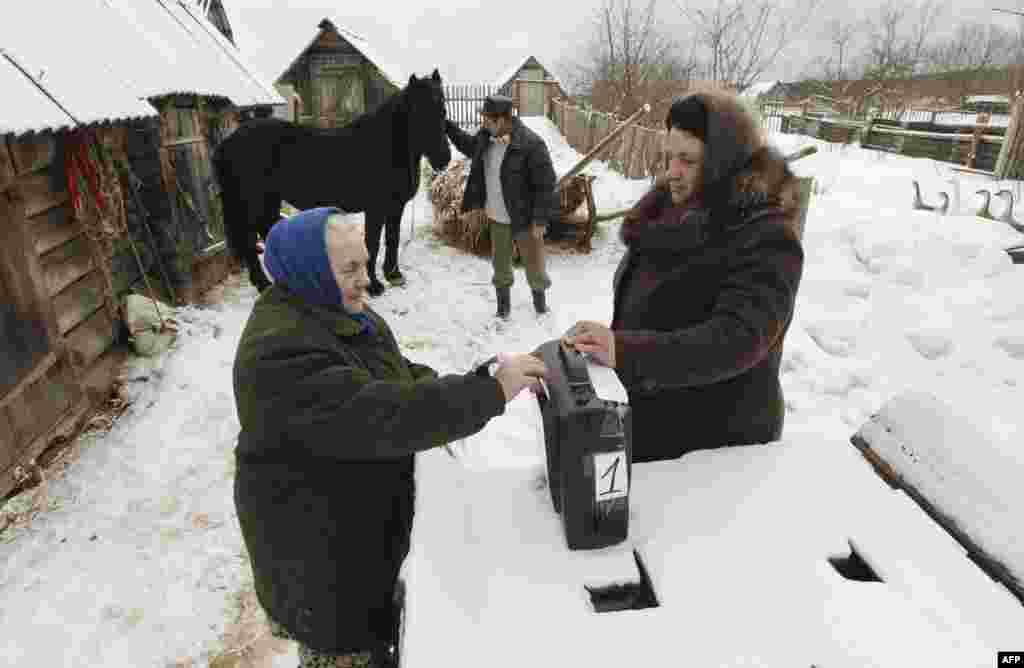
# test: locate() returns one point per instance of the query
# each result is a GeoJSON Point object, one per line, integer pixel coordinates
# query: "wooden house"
{"type": "Point", "coordinates": [531, 85]}
{"type": "Point", "coordinates": [335, 77]}
{"type": "Point", "coordinates": [104, 185]}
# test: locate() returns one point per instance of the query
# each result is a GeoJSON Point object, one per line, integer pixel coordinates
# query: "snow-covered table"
{"type": "Point", "coordinates": [737, 545]}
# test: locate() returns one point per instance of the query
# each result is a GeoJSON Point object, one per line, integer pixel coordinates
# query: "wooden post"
{"type": "Point", "coordinates": [805, 186]}
{"type": "Point", "coordinates": [979, 126]}
{"type": "Point", "coordinates": [1012, 151]}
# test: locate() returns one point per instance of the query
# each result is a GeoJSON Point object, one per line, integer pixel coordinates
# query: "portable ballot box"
{"type": "Point", "coordinates": [587, 438]}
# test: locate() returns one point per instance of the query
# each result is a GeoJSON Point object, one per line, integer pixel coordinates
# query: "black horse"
{"type": "Point", "coordinates": [370, 165]}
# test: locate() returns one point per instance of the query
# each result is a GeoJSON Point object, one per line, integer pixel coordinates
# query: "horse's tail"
{"type": "Point", "coordinates": [235, 223]}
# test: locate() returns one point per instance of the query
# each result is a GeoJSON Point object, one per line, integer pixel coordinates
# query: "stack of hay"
{"type": "Point", "coordinates": [467, 231]}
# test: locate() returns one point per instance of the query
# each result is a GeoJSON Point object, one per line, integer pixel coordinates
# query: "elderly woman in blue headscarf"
{"type": "Point", "coordinates": [331, 417]}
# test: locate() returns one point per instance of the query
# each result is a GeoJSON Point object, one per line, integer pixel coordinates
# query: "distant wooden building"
{"type": "Point", "coordinates": [335, 78]}
{"type": "Point", "coordinates": [530, 85]}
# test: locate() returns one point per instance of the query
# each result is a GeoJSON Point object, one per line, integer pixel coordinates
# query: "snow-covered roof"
{"type": "Point", "coordinates": [233, 53]}
{"type": "Point", "coordinates": [511, 72]}
{"type": "Point", "coordinates": [165, 47]}
{"type": "Point", "coordinates": [303, 43]}
{"type": "Point", "coordinates": [130, 52]}
{"type": "Point", "coordinates": [80, 79]}
{"type": "Point", "coordinates": [760, 88]}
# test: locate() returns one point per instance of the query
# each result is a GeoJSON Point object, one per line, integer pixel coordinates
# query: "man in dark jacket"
{"type": "Point", "coordinates": [332, 415]}
{"type": "Point", "coordinates": [706, 290]}
{"type": "Point", "coordinates": [512, 179]}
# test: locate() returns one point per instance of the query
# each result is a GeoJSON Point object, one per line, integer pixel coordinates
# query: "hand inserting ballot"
{"type": "Point", "coordinates": [593, 338]}
{"type": "Point", "coordinates": [517, 371]}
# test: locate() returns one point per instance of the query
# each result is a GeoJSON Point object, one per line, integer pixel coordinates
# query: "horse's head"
{"type": "Point", "coordinates": [427, 118]}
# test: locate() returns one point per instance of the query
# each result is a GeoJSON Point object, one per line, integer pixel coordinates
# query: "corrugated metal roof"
{"type": "Point", "coordinates": [22, 101]}
{"type": "Point", "coordinates": [102, 59]}
{"type": "Point", "coordinates": [232, 55]}
{"type": "Point", "coordinates": [79, 80]}
{"type": "Point", "coordinates": [164, 48]}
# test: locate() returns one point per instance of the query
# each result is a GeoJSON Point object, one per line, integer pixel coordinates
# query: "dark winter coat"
{"type": "Point", "coordinates": [527, 175]}
{"type": "Point", "coordinates": [703, 298]}
{"type": "Point", "coordinates": [331, 419]}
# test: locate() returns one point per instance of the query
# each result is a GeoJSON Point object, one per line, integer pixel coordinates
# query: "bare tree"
{"type": "Point", "coordinates": [742, 39]}
{"type": "Point", "coordinates": [841, 34]}
{"type": "Point", "coordinates": [898, 37]}
{"type": "Point", "coordinates": [972, 47]}
{"type": "Point", "coordinates": [624, 49]}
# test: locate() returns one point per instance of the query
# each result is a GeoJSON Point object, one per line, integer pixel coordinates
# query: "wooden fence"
{"type": "Point", "coordinates": [463, 101]}
{"type": "Point", "coordinates": [976, 146]}
{"type": "Point", "coordinates": [635, 153]}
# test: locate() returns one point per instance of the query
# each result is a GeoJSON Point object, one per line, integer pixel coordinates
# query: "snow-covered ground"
{"type": "Point", "coordinates": [138, 561]}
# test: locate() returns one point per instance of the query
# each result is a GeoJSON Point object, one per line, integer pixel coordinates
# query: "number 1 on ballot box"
{"type": "Point", "coordinates": [611, 478]}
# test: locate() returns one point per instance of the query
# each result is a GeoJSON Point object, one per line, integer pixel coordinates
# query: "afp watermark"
{"type": "Point", "coordinates": [1010, 659]}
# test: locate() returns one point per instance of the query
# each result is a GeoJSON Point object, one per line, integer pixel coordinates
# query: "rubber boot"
{"type": "Point", "coordinates": [504, 302]}
{"type": "Point", "coordinates": [539, 303]}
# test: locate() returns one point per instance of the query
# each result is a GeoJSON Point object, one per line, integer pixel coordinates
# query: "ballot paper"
{"type": "Point", "coordinates": [607, 385]}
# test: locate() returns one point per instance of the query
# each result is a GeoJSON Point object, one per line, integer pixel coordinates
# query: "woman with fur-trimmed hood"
{"type": "Point", "coordinates": [705, 292]}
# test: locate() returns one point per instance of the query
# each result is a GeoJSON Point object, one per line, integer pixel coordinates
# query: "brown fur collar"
{"type": "Point", "coordinates": [764, 185]}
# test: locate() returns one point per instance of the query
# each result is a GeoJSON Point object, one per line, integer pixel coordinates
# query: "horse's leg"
{"type": "Point", "coordinates": [392, 231]}
{"type": "Point", "coordinates": [263, 213]}
{"type": "Point", "coordinates": [374, 221]}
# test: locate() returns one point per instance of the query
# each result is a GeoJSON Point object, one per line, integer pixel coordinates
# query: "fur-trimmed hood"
{"type": "Point", "coordinates": [743, 178]}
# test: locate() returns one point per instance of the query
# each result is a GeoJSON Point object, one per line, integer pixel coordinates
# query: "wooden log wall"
{"type": "Point", "coordinates": [49, 269]}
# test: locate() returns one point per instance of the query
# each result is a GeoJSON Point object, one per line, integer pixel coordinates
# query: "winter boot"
{"type": "Point", "coordinates": [539, 303]}
{"type": "Point", "coordinates": [504, 302]}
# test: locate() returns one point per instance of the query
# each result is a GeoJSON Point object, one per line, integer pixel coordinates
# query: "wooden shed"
{"type": "Point", "coordinates": [105, 182]}
{"type": "Point", "coordinates": [58, 316]}
{"type": "Point", "coordinates": [337, 77]}
{"type": "Point", "coordinates": [531, 85]}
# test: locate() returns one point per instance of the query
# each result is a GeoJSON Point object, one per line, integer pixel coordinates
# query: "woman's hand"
{"type": "Point", "coordinates": [594, 339]}
{"type": "Point", "coordinates": [516, 372]}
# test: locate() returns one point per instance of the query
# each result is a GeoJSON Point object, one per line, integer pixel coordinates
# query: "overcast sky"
{"type": "Point", "coordinates": [473, 44]}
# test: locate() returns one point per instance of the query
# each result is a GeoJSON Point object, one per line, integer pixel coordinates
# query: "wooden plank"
{"type": "Point", "coordinates": [98, 379]}
{"type": "Point", "coordinates": [66, 264]}
{"type": "Point", "coordinates": [66, 426]}
{"type": "Point", "coordinates": [53, 228]}
{"type": "Point", "coordinates": [911, 460]}
{"type": "Point", "coordinates": [881, 129]}
{"type": "Point", "coordinates": [35, 410]}
{"type": "Point", "coordinates": [91, 338]}
{"type": "Point", "coordinates": [36, 190]}
{"type": "Point", "coordinates": [79, 301]}
{"type": "Point", "coordinates": [21, 275]}
{"type": "Point", "coordinates": [41, 368]}
{"type": "Point", "coordinates": [34, 153]}
{"type": "Point", "coordinates": [969, 170]}
{"type": "Point", "coordinates": [8, 443]}
{"type": "Point", "coordinates": [6, 165]}
{"type": "Point", "coordinates": [186, 140]}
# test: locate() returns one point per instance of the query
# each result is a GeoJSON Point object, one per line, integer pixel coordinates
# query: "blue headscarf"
{"type": "Point", "coordinates": [295, 255]}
